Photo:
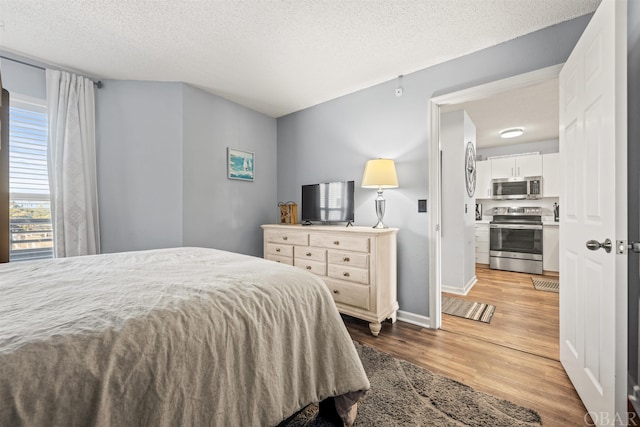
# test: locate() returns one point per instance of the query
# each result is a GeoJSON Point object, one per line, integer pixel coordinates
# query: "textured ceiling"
{"type": "Point", "coordinates": [276, 57]}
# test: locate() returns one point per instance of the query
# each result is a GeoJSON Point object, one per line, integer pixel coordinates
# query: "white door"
{"type": "Point", "coordinates": [593, 148]}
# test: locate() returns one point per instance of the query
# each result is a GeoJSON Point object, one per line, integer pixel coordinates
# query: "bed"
{"type": "Point", "coordinates": [185, 336]}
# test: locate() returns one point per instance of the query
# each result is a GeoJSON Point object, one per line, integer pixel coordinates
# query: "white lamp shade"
{"type": "Point", "coordinates": [380, 173]}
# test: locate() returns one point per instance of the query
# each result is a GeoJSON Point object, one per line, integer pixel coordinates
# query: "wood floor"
{"type": "Point", "coordinates": [525, 319]}
{"type": "Point", "coordinates": [516, 360]}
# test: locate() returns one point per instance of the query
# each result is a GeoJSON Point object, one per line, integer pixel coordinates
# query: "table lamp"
{"type": "Point", "coordinates": [380, 174]}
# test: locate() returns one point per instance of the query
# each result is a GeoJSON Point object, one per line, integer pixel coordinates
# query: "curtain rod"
{"type": "Point", "coordinates": [97, 84]}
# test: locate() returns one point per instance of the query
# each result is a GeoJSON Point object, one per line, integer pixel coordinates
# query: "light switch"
{"type": "Point", "coordinates": [422, 205]}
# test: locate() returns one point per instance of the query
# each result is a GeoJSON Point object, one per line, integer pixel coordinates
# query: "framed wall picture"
{"type": "Point", "coordinates": [240, 164]}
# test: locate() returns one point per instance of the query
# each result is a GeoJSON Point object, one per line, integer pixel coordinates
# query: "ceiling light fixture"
{"type": "Point", "coordinates": [511, 132]}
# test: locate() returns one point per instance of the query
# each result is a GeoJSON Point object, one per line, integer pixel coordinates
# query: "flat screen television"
{"type": "Point", "coordinates": [328, 202]}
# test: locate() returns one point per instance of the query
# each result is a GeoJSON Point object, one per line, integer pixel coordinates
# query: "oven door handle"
{"type": "Point", "coordinates": [517, 226]}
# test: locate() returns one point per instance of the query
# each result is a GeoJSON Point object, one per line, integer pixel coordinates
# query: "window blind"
{"type": "Point", "coordinates": [28, 177]}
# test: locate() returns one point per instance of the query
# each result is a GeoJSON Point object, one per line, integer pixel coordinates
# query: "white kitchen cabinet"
{"type": "Point", "coordinates": [482, 243]}
{"type": "Point", "coordinates": [516, 166]}
{"type": "Point", "coordinates": [483, 179]}
{"type": "Point", "coordinates": [551, 247]}
{"type": "Point", "coordinates": [551, 175]}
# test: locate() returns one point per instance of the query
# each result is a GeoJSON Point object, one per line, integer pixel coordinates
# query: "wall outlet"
{"type": "Point", "coordinates": [422, 205]}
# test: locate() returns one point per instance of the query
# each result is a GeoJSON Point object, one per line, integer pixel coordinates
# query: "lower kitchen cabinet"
{"type": "Point", "coordinates": [482, 243]}
{"type": "Point", "coordinates": [551, 247]}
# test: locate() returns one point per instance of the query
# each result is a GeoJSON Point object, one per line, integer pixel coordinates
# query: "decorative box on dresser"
{"type": "Point", "coordinates": [358, 265]}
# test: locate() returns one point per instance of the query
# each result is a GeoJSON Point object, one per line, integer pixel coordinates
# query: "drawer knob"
{"type": "Point", "coordinates": [335, 291]}
{"type": "Point", "coordinates": [308, 267]}
{"type": "Point", "coordinates": [277, 249]}
{"type": "Point", "coordinates": [346, 259]}
{"type": "Point", "coordinates": [345, 274]}
{"type": "Point", "coordinates": [308, 253]}
{"type": "Point", "coordinates": [336, 242]}
{"type": "Point", "coordinates": [284, 237]}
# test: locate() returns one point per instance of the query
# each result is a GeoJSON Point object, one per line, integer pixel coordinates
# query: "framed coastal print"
{"type": "Point", "coordinates": [240, 164]}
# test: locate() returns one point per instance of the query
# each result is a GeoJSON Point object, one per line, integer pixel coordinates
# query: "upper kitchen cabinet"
{"type": "Point", "coordinates": [551, 175]}
{"type": "Point", "coordinates": [483, 179]}
{"type": "Point", "coordinates": [507, 167]}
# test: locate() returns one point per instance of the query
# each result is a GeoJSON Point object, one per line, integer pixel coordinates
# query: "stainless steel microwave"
{"type": "Point", "coordinates": [529, 187]}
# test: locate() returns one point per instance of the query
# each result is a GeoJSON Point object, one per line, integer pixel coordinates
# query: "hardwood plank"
{"type": "Point", "coordinates": [525, 319]}
{"type": "Point", "coordinates": [515, 357]}
{"type": "Point", "coordinates": [529, 380]}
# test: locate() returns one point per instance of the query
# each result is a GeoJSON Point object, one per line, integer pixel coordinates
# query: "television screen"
{"type": "Point", "coordinates": [328, 202]}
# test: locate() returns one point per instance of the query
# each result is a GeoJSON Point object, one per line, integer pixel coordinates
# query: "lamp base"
{"type": "Point", "coordinates": [380, 225]}
{"type": "Point", "coordinates": [380, 204]}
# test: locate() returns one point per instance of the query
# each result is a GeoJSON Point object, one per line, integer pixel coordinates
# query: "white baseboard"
{"type": "Point", "coordinates": [414, 319]}
{"type": "Point", "coordinates": [457, 291]}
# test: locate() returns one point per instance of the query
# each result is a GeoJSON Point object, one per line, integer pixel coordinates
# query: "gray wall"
{"type": "Point", "coordinates": [333, 140]}
{"type": "Point", "coordinates": [139, 150]}
{"type": "Point", "coordinates": [23, 79]}
{"type": "Point", "coordinates": [162, 174]}
{"type": "Point", "coordinates": [220, 212]}
{"type": "Point", "coordinates": [633, 91]}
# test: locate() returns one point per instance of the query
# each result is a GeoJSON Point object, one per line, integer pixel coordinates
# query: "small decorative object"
{"type": "Point", "coordinates": [380, 173]}
{"type": "Point", "coordinates": [478, 211]}
{"type": "Point", "coordinates": [288, 213]}
{"type": "Point", "coordinates": [470, 168]}
{"type": "Point", "coordinates": [240, 164]}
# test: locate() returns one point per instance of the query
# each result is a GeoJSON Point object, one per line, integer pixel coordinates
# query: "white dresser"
{"type": "Point", "coordinates": [358, 265]}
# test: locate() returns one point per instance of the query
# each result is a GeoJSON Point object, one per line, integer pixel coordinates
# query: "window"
{"type": "Point", "coordinates": [30, 227]}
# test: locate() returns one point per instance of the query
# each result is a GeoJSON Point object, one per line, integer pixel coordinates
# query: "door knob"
{"type": "Point", "coordinates": [594, 245]}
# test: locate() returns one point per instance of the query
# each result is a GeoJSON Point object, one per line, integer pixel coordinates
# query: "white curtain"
{"type": "Point", "coordinates": [72, 164]}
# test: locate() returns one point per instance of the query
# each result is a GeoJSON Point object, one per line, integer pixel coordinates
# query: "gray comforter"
{"type": "Point", "coordinates": [173, 337]}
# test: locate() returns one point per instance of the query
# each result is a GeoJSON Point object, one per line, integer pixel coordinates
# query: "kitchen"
{"type": "Point", "coordinates": [525, 223]}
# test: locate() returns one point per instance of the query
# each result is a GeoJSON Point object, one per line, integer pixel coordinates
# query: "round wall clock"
{"type": "Point", "coordinates": [470, 168]}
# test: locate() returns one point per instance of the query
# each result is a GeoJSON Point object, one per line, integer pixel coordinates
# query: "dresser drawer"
{"type": "Point", "coordinates": [349, 293]}
{"type": "Point", "coordinates": [353, 259]}
{"type": "Point", "coordinates": [279, 258]}
{"type": "Point", "coordinates": [288, 237]}
{"type": "Point", "coordinates": [319, 268]}
{"type": "Point", "coordinates": [337, 241]}
{"type": "Point", "coordinates": [277, 249]}
{"type": "Point", "coordinates": [308, 252]}
{"type": "Point", "coordinates": [352, 274]}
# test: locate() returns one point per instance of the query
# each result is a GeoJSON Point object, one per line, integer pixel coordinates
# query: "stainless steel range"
{"type": "Point", "coordinates": [515, 241]}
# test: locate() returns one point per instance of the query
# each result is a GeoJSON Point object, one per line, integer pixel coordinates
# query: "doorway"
{"type": "Point", "coordinates": [510, 286]}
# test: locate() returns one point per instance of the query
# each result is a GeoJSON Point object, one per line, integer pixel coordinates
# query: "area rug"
{"type": "Point", "coordinates": [468, 309]}
{"type": "Point", "coordinates": [403, 394]}
{"type": "Point", "coordinates": [546, 284]}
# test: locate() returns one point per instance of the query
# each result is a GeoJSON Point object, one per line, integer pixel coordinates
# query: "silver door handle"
{"type": "Point", "coordinates": [594, 245]}
{"type": "Point", "coordinates": [634, 247]}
